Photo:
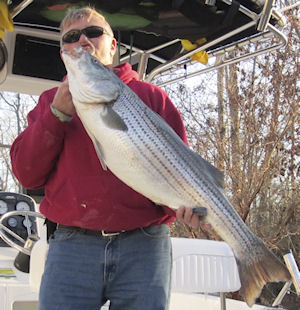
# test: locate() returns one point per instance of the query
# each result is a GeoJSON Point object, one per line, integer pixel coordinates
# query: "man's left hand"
{"type": "Point", "coordinates": [186, 216]}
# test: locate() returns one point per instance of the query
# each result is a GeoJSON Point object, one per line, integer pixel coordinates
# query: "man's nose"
{"type": "Point", "coordinates": [83, 37]}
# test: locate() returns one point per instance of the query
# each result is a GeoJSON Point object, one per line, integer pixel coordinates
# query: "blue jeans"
{"type": "Point", "coordinates": [132, 270]}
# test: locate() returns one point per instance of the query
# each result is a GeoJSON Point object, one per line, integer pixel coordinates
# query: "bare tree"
{"type": "Point", "coordinates": [13, 112]}
{"type": "Point", "coordinates": [247, 124]}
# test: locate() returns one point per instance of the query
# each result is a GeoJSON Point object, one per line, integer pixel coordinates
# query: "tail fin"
{"type": "Point", "coordinates": [255, 275]}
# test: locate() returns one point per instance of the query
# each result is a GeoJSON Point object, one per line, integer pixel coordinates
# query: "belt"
{"type": "Point", "coordinates": [91, 232]}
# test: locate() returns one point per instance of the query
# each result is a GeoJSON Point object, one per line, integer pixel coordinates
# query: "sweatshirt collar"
{"type": "Point", "coordinates": [125, 72]}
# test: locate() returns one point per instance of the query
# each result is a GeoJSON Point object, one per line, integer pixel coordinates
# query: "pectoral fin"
{"type": "Point", "coordinates": [100, 154]}
{"type": "Point", "coordinates": [98, 149]}
{"type": "Point", "coordinates": [112, 119]}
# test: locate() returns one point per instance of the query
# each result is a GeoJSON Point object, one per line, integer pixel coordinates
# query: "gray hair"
{"type": "Point", "coordinates": [78, 13]}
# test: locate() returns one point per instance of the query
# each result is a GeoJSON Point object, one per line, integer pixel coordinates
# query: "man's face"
{"type": "Point", "coordinates": [102, 47]}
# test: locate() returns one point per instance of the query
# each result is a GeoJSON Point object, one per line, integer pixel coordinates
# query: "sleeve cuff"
{"type": "Point", "coordinates": [60, 115]}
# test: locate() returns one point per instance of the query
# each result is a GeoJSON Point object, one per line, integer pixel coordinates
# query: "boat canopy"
{"type": "Point", "coordinates": [157, 37]}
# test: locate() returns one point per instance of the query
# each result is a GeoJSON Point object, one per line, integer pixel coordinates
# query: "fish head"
{"type": "Point", "coordinates": [89, 80]}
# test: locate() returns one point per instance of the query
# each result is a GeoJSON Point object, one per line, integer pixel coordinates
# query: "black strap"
{"type": "Point", "coordinates": [51, 227]}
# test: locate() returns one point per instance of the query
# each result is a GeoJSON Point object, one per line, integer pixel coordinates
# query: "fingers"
{"type": "Point", "coordinates": [180, 213]}
{"type": "Point", "coordinates": [186, 216]}
{"type": "Point", "coordinates": [63, 99]}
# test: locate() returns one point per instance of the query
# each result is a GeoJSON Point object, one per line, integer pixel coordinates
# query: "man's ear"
{"type": "Point", "coordinates": [60, 53]}
{"type": "Point", "coordinates": [113, 47]}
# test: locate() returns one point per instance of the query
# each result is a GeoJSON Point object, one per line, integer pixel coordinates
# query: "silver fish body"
{"type": "Point", "coordinates": [142, 150]}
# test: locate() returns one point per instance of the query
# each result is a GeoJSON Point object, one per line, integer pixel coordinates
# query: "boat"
{"type": "Point", "coordinates": [203, 270]}
{"type": "Point", "coordinates": [160, 41]}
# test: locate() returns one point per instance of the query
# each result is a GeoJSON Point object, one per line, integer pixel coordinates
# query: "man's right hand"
{"type": "Point", "coordinates": [63, 99]}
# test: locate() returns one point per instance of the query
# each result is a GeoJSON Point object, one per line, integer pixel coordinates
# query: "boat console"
{"type": "Point", "coordinates": [15, 227]}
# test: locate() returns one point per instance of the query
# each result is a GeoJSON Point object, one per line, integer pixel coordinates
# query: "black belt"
{"type": "Point", "coordinates": [91, 232]}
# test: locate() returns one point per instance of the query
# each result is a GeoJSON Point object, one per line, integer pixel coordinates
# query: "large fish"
{"type": "Point", "coordinates": [141, 149]}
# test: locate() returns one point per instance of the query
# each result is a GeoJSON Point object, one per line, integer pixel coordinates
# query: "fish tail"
{"type": "Point", "coordinates": [255, 275]}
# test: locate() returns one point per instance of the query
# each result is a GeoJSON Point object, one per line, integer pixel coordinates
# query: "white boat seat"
{"type": "Point", "coordinates": [37, 264]}
{"type": "Point", "coordinates": [203, 266]}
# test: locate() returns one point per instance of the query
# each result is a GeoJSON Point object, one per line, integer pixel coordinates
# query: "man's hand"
{"type": "Point", "coordinates": [63, 99]}
{"type": "Point", "coordinates": [186, 216]}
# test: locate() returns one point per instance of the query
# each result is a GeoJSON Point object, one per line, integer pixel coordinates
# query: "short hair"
{"type": "Point", "coordinates": [78, 13]}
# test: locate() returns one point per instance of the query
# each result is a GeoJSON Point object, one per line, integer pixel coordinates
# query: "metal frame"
{"type": "Point", "coordinates": [266, 31]}
{"type": "Point", "coordinates": [222, 55]}
{"type": "Point", "coordinates": [19, 8]}
{"type": "Point", "coordinates": [294, 271]}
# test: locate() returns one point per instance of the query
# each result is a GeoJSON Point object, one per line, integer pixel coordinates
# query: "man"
{"type": "Point", "coordinates": [111, 243]}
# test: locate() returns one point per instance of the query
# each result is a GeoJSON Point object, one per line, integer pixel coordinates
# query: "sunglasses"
{"type": "Point", "coordinates": [74, 35]}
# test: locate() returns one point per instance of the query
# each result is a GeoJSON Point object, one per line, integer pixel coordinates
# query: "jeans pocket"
{"type": "Point", "coordinates": [62, 235]}
{"type": "Point", "coordinates": [156, 231]}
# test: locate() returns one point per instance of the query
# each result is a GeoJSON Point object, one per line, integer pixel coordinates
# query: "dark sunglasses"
{"type": "Point", "coordinates": [73, 35]}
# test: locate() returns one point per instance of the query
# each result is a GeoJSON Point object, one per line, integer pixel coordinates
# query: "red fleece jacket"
{"type": "Point", "coordinates": [78, 192]}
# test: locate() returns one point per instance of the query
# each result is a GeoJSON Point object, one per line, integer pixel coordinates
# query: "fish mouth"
{"type": "Point", "coordinates": [74, 53]}
{"type": "Point", "coordinates": [78, 52]}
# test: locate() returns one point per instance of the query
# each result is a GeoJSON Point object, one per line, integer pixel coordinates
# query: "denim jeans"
{"type": "Point", "coordinates": [132, 270]}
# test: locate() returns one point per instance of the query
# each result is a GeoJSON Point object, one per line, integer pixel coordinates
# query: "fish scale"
{"type": "Point", "coordinates": [153, 143]}
{"type": "Point", "coordinates": [146, 143]}
{"type": "Point", "coordinates": [193, 186]}
{"type": "Point", "coordinates": [142, 150]}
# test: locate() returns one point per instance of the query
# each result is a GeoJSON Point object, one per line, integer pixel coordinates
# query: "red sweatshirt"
{"type": "Point", "coordinates": [60, 157]}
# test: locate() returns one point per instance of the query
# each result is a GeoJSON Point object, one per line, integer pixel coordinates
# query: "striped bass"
{"type": "Point", "coordinates": [142, 150]}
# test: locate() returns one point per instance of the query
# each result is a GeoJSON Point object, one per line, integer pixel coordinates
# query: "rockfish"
{"type": "Point", "coordinates": [142, 150]}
